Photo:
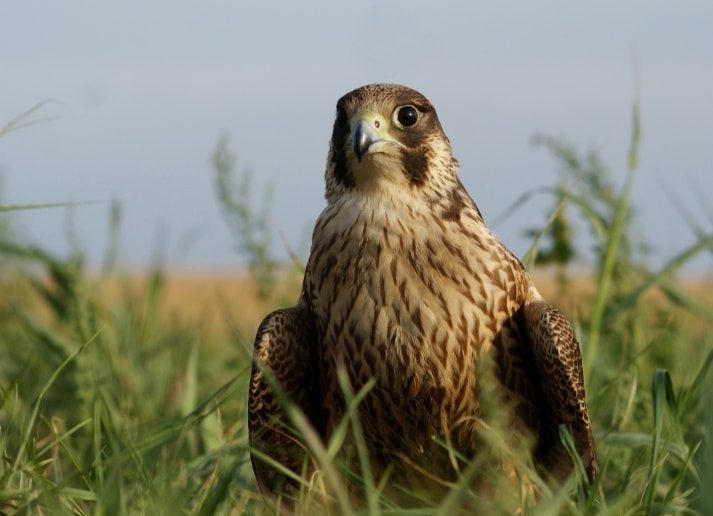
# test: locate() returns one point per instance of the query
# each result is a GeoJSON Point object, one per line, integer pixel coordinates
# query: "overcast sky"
{"type": "Point", "coordinates": [144, 89]}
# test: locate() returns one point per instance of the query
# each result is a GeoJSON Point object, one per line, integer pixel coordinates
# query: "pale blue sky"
{"type": "Point", "coordinates": [144, 90]}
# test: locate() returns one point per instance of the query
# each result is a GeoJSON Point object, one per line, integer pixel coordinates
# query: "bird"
{"type": "Point", "coordinates": [409, 295]}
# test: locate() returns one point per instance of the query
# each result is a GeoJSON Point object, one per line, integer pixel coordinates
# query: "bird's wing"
{"type": "Point", "coordinates": [559, 368]}
{"type": "Point", "coordinates": [284, 369]}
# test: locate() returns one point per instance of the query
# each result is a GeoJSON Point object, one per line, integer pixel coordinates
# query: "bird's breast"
{"type": "Point", "coordinates": [410, 301]}
{"type": "Point", "coordinates": [402, 298]}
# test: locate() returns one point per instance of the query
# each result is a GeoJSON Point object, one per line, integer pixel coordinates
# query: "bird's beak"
{"type": "Point", "coordinates": [367, 137]}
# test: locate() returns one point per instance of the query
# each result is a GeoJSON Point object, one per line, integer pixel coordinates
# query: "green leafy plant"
{"type": "Point", "coordinates": [251, 229]}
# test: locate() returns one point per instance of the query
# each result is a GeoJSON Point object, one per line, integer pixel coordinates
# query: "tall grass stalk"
{"type": "Point", "coordinates": [612, 243]}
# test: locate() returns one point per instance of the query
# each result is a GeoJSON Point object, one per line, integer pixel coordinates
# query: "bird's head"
{"type": "Point", "coordinates": [387, 136]}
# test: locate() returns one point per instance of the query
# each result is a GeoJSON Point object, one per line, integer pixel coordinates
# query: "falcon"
{"type": "Point", "coordinates": [407, 292]}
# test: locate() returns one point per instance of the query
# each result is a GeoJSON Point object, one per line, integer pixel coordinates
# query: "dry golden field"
{"type": "Point", "coordinates": [219, 298]}
{"type": "Point", "coordinates": [213, 299]}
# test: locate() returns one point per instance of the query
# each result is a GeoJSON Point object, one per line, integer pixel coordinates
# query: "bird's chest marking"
{"type": "Point", "coordinates": [400, 304]}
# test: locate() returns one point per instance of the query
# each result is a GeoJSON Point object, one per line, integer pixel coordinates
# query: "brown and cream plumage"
{"type": "Point", "coordinates": [406, 284]}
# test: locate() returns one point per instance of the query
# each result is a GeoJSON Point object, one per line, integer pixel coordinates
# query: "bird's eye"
{"type": "Point", "coordinates": [342, 120]}
{"type": "Point", "coordinates": [406, 116]}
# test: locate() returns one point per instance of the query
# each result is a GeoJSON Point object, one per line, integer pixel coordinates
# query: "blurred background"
{"type": "Point", "coordinates": [138, 95]}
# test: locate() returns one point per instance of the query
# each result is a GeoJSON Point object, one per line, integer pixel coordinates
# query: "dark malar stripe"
{"type": "Point", "coordinates": [339, 157]}
{"type": "Point", "coordinates": [415, 163]}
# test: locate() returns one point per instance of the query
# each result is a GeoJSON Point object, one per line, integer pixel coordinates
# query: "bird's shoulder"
{"type": "Point", "coordinates": [558, 363]}
{"type": "Point", "coordinates": [284, 355]}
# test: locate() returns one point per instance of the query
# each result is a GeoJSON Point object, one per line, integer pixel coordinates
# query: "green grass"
{"type": "Point", "coordinates": [107, 407]}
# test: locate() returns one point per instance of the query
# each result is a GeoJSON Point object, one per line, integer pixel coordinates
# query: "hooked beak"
{"type": "Point", "coordinates": [366, 135]}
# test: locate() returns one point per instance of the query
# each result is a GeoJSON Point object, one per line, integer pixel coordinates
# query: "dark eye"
{"type": "Point", "coordinates": [342, 120]}
{"type": "Point", "coordinates": [406, 116]}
